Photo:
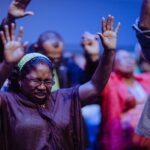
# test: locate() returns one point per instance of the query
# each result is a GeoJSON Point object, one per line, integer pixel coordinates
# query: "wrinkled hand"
{"type": "Point", "coordinates": [90, 43]}
{"type": "Point", "coordinates": [17, 9]}
{"type": "Point", "coordinates": [13, 48]}
{"type": "Point", "coordinates": [108, 35]}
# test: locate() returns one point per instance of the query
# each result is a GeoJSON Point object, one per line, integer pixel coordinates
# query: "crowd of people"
{"type": "Point", "coordinates": [43, 90]}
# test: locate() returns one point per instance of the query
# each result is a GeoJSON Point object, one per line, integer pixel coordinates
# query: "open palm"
{"type": "Point", "coordinates": [17, 9]}
{"type": "Point", "coordinates": [13, 48]}
{"type": "Point", "coordinates": [13, 51]}
{"type": "Point", "coordinates": [108, 35]}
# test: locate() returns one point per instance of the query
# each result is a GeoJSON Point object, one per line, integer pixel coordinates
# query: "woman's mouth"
{"type": "Point", "coordinates": [40, 95]}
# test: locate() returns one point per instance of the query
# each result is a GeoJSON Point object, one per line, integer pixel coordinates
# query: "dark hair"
{"type": "Point", "coordinates": [48, 35]}
{"type": "Point", "coordinates": [16, 74]}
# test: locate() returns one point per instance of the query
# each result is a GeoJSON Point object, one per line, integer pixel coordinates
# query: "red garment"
{"type": "Point", "coordinates": [112, 106]}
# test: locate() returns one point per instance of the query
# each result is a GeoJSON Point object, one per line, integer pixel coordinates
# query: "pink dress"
{"type": "Point", "coordinates": [121, 109]}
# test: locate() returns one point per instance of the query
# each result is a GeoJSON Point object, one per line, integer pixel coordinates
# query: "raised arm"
{"type": "Point", "coordinates": [144, 21]}
{"type": "Point", "coordinates": [17, 9]}
{"type": "Point", "coordinates": [102, 73]}
{"type": "Point", "coordinates": [13, 50]}
{"type": "Point", "coordinates": [142, 28]}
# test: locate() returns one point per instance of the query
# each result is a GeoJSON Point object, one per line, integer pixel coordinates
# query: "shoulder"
{"type": "Point", "coordinates": [143, 76]}
{"type": "Point", "coordinates": [70, 63]}
{"type": "Point", "coordinates": [113, 78]}
{"type": "Point", "coordinates": [67, 93]}
{"type": "Point", "coordinates": [5, 97]}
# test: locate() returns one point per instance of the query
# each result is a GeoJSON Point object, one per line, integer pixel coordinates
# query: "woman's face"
{"type": "Point", "coordinates": [38, 83]}
{"type": "Point", "coordinates": [124, 62]}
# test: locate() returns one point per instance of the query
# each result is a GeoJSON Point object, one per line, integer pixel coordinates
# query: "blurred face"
{"type": "Point", "coordinates": [53, 48]}
{"type": "Point", "coordinates": [90, 43]}
{"type": "Point", "coordinates": [38, 83]}
{"type": "Point", "coordinates": [124, 62]}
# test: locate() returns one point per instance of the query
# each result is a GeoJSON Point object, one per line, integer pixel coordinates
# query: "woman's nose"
{"type": "Point", "coordinates": [42, 86]}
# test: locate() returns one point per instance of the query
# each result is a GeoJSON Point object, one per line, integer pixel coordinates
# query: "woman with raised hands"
{"type": "Point", "coordinates": [33, 117]}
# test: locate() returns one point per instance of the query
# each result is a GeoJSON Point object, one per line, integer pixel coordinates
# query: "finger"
{"type": "Point", "coordinates": [28, 13]}
{"type": "Point", "coordinates": [3, 37]}
{"type": "Point", "coordinates": [7, 32]}
{"type": "Point", "coordinates": [20, 34]}
{"type": "Point", "coordinates": [103, 24]}
{"type": "Point", "coordinates": [117, 27]}
{"type": "Point", "coordinates": [112, 23]}
{"type": "Point", "coordinates": [25, 45]}
{"type": "Point", "coordinates": [108, 23]}
{"type": "Point", "coordinates": [12, 31]}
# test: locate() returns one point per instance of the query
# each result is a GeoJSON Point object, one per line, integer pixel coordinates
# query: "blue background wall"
{"type": "Point", "coordinates": [72, 17]}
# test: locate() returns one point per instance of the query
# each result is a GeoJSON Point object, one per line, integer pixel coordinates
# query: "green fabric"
{"type": "Point", "coordinates": [56, 86]}
{"type": "Point", "coordinates": [28, 57]}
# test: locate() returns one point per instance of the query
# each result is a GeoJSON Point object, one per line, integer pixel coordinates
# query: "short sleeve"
{"type": "Point", "coordinates": [143, 127]}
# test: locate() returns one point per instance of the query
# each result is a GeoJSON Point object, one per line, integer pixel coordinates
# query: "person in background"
{"type": "Point", "coordinates": [122, 102]}
{"type": "Point", "coordinates": [30, 108]}
{"type": "Point", "coordinates": [90, 45]}
{"type": "Point", "coordinates": [91, 113]}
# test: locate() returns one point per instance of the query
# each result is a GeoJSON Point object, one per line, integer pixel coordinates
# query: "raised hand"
{"type": "Point", "coordinates": [13, 48]}
{"type": "Point", "coordinates": [108, 35]}
{"type": "Point", "coordinates": [17, 9]}
{"type": "Point", "coordinates": [90, 43]}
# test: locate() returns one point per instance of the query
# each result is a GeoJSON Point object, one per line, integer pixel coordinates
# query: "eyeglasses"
{"type": "Point", "coordinates": [37, 82]}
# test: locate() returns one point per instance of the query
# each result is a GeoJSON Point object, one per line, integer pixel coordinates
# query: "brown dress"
{"type": "Point", "coordinates": [57, 125]}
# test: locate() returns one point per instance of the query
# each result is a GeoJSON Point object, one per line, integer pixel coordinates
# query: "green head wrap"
{"type": "Point", "coordinates": [28, 57]}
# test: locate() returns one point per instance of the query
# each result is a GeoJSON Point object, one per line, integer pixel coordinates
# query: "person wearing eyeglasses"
{"type": "Point", "coordinates": [31, 116]}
